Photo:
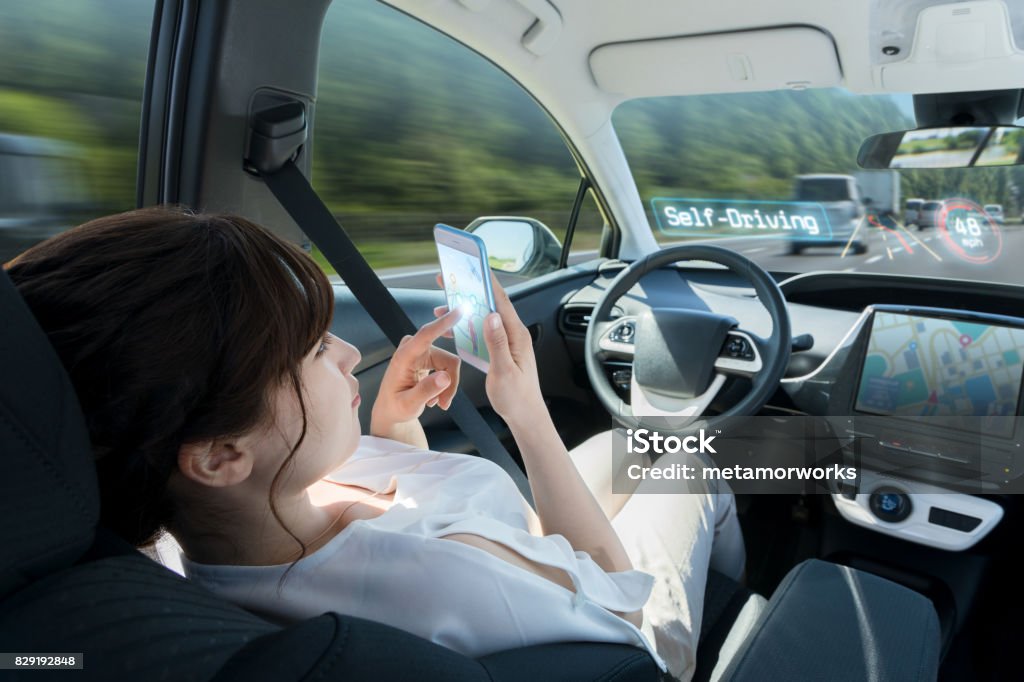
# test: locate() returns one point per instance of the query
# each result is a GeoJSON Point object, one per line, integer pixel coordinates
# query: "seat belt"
{"type": "Point", "coordinates": [276, 136]}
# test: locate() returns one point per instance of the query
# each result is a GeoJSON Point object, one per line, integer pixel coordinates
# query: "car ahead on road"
{"type": "Point", "coordinates": [591, 117]}
{"type": "Point", "coordinates": [929, 214]}
{"type": "Point", "coordinates": [839, 195]}
{"type": "Point", "coordinates": [995, 212]}
{"type": "Point", "coordinates": [912, 211]}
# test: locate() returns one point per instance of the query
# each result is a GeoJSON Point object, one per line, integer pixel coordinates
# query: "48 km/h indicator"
{"type": "Point", "coordinates": [969, 232]}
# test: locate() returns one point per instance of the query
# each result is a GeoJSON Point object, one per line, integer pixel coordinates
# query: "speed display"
{"type": "Point", "coordinates": [919, 366]}
{"type": "Point", "coordinates": [969, 232]}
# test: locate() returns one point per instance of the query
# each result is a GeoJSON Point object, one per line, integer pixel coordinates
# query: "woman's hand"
{"type": "Point", "coordinates": [419, 375]}
{"type": "Point", "coordinates": [512, 383]}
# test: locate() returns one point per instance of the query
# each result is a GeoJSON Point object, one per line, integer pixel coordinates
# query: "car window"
{"type": "Point", "coordinates": [413, 129]}
{"type": "Point", "coordinates": [784, 187]}
{"type": "Point", "coordinates": [71, 81]}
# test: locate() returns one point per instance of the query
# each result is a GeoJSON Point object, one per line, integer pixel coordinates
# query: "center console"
{"type": "Point", "coordinates": [928, 394]}
{"type": "Point", "coordinates": [930, 402]}
{"type": "Point", "coordinates": [823, 617]}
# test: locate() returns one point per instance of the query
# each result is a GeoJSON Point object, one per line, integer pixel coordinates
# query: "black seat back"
{"type": "Point", "coordinates": [47, 482]}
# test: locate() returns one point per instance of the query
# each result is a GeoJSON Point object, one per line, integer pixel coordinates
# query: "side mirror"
{"type": "Point", "coordinates": [959, 147]}
{"type": "Point", "coordinates": [518, 246]}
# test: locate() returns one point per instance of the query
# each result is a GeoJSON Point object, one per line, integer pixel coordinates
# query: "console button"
{"type": "Point", "coordinates": [952, 519]}
{"type": "Point", "coordinates": [622, 378]}
{"type": "Point", "coordinates": [890, 504]}
{"type": "Point", "coordinates": [624, 333]}
{"type": "Point", "coordinates": [737, 347]}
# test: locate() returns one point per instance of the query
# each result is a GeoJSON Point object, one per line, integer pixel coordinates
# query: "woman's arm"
{"type": "Point", "coordinates": [564, 503]}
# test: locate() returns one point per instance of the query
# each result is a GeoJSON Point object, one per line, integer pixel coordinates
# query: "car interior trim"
{"type": "Point", "coordinates": [920, 525]}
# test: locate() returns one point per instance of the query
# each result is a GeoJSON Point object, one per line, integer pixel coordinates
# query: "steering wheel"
{"type": "Point", "coordinates": [682, 357]}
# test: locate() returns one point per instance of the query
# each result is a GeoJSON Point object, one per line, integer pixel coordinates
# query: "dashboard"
{"type": "Point", "coordinates": [919, 378]}
{"type": "Point", "coordinates": [917, 382]}
{"type": "Point", "coordinates": [926, 393]}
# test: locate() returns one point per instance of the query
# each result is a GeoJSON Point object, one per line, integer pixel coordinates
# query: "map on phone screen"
{"type": "Point", "coordinates": [464, 287]}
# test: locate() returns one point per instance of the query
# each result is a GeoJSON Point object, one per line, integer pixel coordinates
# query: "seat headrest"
{"type": "Point", "coordinates": [47, 477]}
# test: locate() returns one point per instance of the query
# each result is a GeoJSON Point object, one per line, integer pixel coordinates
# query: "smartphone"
{"type": "Point", "coordinates": [467, 286]}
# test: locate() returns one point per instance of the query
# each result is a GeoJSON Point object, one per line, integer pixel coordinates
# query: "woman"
{"type": "Point", "coordinates": [221, 409]}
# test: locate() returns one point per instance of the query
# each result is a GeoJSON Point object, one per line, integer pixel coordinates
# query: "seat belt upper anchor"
{"type": "Point", "coordinates": [276, 136]}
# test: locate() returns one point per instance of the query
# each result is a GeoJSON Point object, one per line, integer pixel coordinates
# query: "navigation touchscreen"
{"type": "Point", "coordinates": [917, 366]}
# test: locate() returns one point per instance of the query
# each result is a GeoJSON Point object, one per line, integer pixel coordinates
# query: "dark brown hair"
{"type": "Point", "coordinates": [175, 327]}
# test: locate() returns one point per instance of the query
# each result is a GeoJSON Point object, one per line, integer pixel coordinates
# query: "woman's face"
{"type": "Point", "coordinates": [331, 395]}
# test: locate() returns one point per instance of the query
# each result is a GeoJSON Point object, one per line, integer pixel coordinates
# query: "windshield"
{"type": "Point", "coordinates": [775, 174]}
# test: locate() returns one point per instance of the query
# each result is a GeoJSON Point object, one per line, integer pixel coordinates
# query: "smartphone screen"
{"type": "Point", "coordinates": [467, 286]}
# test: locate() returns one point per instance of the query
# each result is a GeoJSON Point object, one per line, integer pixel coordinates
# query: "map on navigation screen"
{"type": "Point", "coordinates": [921, 366]}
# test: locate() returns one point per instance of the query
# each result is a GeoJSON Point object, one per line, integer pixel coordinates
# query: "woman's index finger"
{"type": "Point", "coordinates": [434, 330]}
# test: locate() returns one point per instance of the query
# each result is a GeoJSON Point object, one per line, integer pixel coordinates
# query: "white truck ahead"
{"type": "Point", "coordinates": [840, 197]}
{"type": "Point", "coordinates": [880, 191]}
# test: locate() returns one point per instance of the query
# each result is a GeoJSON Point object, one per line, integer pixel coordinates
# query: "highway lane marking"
{"type": "Point", "coordinates": [895, 234]}
{"type": "Point", "coordinates": [850, 240]}
{"type": "Point", "coordinates": [885, 241]}
{"type": "Point", "coordinates": [873, 259]}
{"type": "Point", "coordinates": [923, 245]}
{"type": "Point", "coordinates": [763, 248]}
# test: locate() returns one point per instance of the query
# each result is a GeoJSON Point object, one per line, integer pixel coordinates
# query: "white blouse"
{"type": "Point", "coordinates": [397, 568]}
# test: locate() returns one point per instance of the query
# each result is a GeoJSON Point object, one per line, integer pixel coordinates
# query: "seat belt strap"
{"type": "Point", "coordinates": [302, 203]}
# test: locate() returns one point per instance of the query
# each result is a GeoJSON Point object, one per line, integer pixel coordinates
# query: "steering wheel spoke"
{"type": "Point", "coordinates": [647, 404]}
{"type": "Point", "coordinates": [742, 354]}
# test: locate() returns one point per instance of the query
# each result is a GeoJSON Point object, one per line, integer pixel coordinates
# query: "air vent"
{"type": "Point", "coordinates": [575, 318]}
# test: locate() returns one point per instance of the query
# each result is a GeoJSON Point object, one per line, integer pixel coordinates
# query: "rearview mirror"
{"type": "Point", "coordinates": [518, 246]}
{"type": "Point", "coordinates": [959, 147]}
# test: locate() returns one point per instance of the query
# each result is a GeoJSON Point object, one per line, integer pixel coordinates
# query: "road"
{"type": "Point", "coordinates": [900, 251]}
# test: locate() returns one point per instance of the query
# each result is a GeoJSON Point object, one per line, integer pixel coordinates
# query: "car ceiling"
{"type": "Point", "coordinates": [551, 47]}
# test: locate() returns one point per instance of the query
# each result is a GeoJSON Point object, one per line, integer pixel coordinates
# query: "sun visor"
{"type": "Point", "coordinates": [795, 57]}
{"type": "Point", "coordinates": [961, 46]}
